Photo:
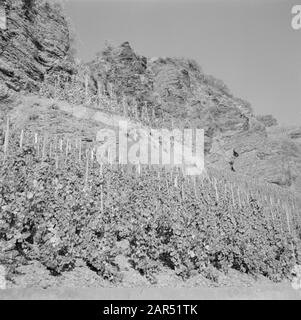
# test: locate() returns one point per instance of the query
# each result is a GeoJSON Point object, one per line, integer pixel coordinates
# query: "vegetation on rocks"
{"type": "Point", "coordinates": [57, 209]}
{"type": "Point", "coordinates": [57, 205]}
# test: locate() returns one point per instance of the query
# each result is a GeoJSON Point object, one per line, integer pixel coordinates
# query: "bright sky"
{"type": "Point", "coordinates": [249, 44]}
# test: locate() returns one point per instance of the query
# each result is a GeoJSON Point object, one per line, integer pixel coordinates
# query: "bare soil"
{"type": "Point", "coordinates": [35, 282]}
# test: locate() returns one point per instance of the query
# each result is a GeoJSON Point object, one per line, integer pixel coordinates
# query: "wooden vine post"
{"type": "Point", "coordinates": [86, 87]}
{"type": "Point", "coordinates": [50, 150]}
{"type": "Point", "coordinates": [6, 139]}
{"type": "Point", "coordinates": [87, 169]}
{"type": "Point", "coordinates": [21, 138]}
{"type": "Point", "coordinates": [176, 181]}
{"type": "Point", "coordinates": [36, 143]}
{"type": "Point", "coordinates": [216, 190]}
{"type": "Point", "coordinates": [239, 200]}
{"type": "Point", "coordinates": [44, 147]}
{"type": "Point", "coordinates": [125, 113]}
{"type": "Point", "coordinates": [99, 93]}
{"type": "Point", "coordinates": [101, 199]}
{"type": "Point", "coordinates": [183, 190]}
{"type": "Point", "coordinates": [153, 114]}
{"type": "Point", "coordinates": [195, 186]}
{"type": "Point", "coordinates": [80, 150]}
{"type": "Point", "coordinates": [139, 169]}
{"type": "Point", "coordinates": [287, 219]}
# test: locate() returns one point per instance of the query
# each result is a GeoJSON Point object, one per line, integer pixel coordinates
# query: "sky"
{"type": "Point", "coordinates": [249, 44]}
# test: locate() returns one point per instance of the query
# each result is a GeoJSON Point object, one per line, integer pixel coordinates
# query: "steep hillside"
{"type": "Point", "coordinates": [172, 92]}
{"type": "Point", "coordinates": [177, 90]}
{"type": "Point", "coordinates": [63, 216]}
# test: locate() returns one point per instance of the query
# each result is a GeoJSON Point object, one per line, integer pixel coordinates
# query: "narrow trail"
{"type": "Point", "coordinates": [258, 292]}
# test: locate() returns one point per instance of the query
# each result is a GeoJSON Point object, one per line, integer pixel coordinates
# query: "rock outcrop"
{"type": "Point", "coordinates": [267, 120]}
{"type": "Point", "coordinates": [35, 43]}
{"type": "Point", "coordinates": [235, 138]}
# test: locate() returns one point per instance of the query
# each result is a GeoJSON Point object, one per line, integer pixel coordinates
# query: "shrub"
{"type": "Point", "coordinates": [56, 214]}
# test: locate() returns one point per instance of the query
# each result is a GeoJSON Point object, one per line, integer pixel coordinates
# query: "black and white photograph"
{"type": "Point", "coordinates": [150, 150]}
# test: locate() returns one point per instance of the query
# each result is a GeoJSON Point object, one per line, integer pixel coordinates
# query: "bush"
{"type": "Point", "coordinates": [56, 214]}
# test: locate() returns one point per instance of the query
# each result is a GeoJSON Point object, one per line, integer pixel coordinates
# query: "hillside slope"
{"type": "Point", "coordinates": [177, 90]}
{"type": "Point", "coordinates": [35, 56]}
{"type": "Point", "coordinates": [66, 220]}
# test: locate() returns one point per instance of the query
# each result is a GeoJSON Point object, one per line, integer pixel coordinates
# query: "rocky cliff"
{"type": "Point", "coordinates": [177, 88]}
{"type": "Point", "coordinates": [35, 43]}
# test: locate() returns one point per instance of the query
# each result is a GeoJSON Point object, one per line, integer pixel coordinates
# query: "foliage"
{"type": "Point", "coordinates": [217, 83]}
{"type": "Point", "coordinates": [51, 211]}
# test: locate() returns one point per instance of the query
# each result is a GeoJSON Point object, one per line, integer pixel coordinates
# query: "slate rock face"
{"type": "Point", "coordinates": [235, 138]}
{"type": "Point", "coordinates": [295, 134]}
{"type": "Point", "coordinates": [3, 92]}
{"type": "Point", "coordinates": [124, 71]}
{"type": "Point", "coordinates": [176, 87]}
{"type": "Point", "coordinates": [36, 42]}
{"type": "Point", "coordinates": [267, 120]}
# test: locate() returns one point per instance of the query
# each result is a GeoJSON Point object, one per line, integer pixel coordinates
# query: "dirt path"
{"type": "Point", "coordinates": [274, 292]}
{"type": "Point", "coordinates": [34, 281]}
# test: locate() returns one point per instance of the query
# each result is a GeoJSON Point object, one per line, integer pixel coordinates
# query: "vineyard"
{"type": "Point", "coordinates": [69, 217]}
{"type": "Point", "coordinates": [78, 90]}
{"type": "Point", "coordinates": [58, 204]}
